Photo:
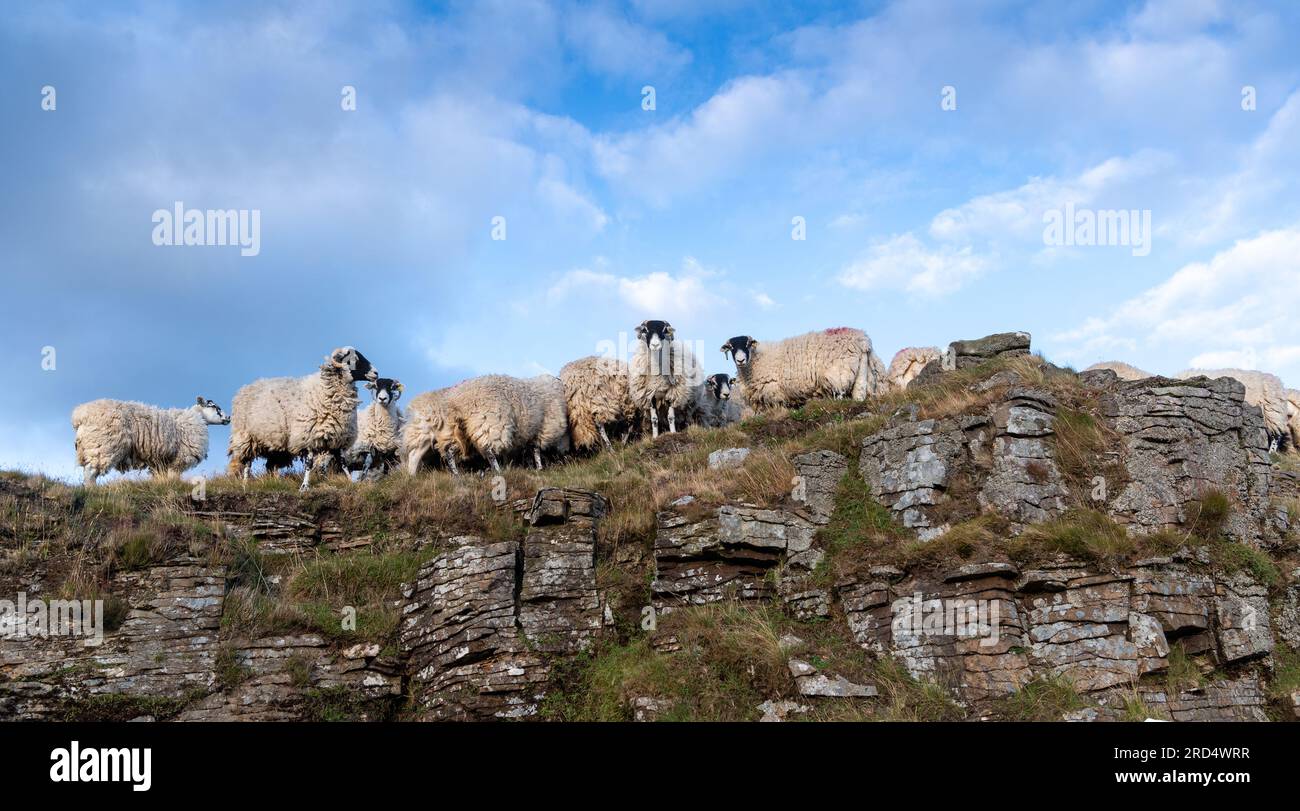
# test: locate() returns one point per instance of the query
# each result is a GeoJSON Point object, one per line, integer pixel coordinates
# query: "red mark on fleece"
{"type": "Point", "coordinates": [839, 330]}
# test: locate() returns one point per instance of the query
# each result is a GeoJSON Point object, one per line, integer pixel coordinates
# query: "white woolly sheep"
{"type": "Point", "coordinates": [123, 436]}
{"type": "Point", "coordinates": [429, 427]}
{"type": "Point", "coordinates": [833, 363]}
{"type": "Point", "coordinates": [1123, 370]}
{"type": "Point", "coordinates": [718, 402]}
{"type": "Point", "coordinates": [1262, 389]}
{"type": "Point", "coordinates": [1293, 418]}
{"type": "Point", "coordinates": [494, 415]}
{"type": "Point", "coordinates": [378, 443]}
{"type": "Point", "coordinates": [313, 417]}
{"type": "Point", "coordinates": [663, 374]}
{"type": "Point", "coordinates": [597, 394]}
{"type": "Point", "coordinates": [908, 363]}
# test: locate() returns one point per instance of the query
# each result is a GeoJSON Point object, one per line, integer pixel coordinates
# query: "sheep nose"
{"type": "Point", "coordinates": [372, 375]}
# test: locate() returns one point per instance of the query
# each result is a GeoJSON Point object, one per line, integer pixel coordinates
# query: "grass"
{"type": "Point", "coordinates": [1182, 673]}
{"type": "Point", "coordinates": [1086, 535]}
{"type": "Point", "coordinates": [1047, 698]}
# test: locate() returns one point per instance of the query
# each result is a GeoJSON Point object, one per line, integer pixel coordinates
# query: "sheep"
{"type": "Point", "coordinates": [123, 436]}
{"type": "Point", "coordinates": [379, 428]}
{"type": "Point", "coordinates": [429, 427]}
{"type": "Point", "coordinates": [908, 363]}
{"type": "Point", "coordinates": [1293, 417]}
{"type": "Point", "coordinates": [313, 417]}
{"type": "Point", "coordinates": [663, 374]}
{"type": "Point", "coordinates": [1263, 390]}
{"type": "Point", "coordinates": [1121, 369]}
{"type": "Point", "coordinates": [597, 394]}
{"type": "Point", "coordinates": [833, 363]}
{"type": "Point", "coordinates": [494, 415]}
{"type": "Point", "coordinates": [718, 403]}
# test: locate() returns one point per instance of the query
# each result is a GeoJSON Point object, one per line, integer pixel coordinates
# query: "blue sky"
{"type": "Point", "coordinates": [924, 225]}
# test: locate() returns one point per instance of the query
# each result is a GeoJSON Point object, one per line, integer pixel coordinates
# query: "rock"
{"type": "Point", "coordinates": [728, 458]}
{"type": "Point", "coordinates": [779, 710]}
{"type": "Point", "coordinates": [813, 684]}
{"type": "Point", "coordinates": [647, 708]}
{"type": "Point", "coordinates": [1182, 437]}
{"type": "Point", "coordinates": [964, 354]}
{"type": "Point", "coordinates": [361, 651]}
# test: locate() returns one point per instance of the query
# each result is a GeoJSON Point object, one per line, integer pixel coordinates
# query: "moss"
{"type": "Point", "coordinates": [117, 707]}
{"type": "Point", "coordinates": [230, 671]}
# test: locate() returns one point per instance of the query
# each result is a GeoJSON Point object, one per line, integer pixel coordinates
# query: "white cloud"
{"type": "Point", "coordinates": [614, 45]}
{"type": "Point", "coordinates": [653, 295]}
{"type": "Point", "coordinates": [904, 263]}
{"type": "Point", "coordinates": [1237, 308]}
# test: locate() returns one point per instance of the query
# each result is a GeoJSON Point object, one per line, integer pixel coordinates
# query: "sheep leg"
{"type": "Point", "coordinates": [537, 457]}
{"type": "Point", "coordinates": [492, 460]}
{"type": "Point", "coordinates": [654, 423]}
{"type": "Point", "coordinates": [370, 458]}
{"type": "Point", "coordinates": [91, 476]}
{"type": "Point", "coordinates": [604, 437]}
{"type": "Point", "coordinates": [672, 421]}
{"type": "Point", "coordinates": [306, 476]}
{"type": "Point", "coordinates": [450, 458]}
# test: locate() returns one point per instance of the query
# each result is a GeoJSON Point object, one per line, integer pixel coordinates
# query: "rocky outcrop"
{"type": "Point", "coordinates": [480, 618]}
{"type": "Point", "coordinates": [965, 354]}
{"type": "Point", "coordinates": [929, 472]}
{"type": "Point", "coordinates": [986, 630]}
{"type": "Point", "coordinates": [744, 552]}
{"type": "Point", "coordinates": [1182, 438]}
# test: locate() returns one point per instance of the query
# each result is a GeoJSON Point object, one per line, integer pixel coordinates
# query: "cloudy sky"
{"type": "Point", "coordinates": [921, 143]}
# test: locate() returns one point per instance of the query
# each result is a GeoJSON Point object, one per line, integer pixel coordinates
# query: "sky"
{"type": "Point", "coordinates": [918, 148]}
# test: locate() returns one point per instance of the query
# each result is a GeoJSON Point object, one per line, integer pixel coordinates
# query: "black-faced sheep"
{"type": "Point", "coordinates": [379, 425]}
{"type": "Point", "coordinates": [718, 402]}
{"type": "Point", "coordinates": [312, 417]}
{"type": "Point", "coordinates": [123, 436]}
{"type": "Point", "coordinates": [833, 363]}
{"type": "Point", "coordinates": [663, 373]}
{"type": "Point", "coordinates": [598, 397]}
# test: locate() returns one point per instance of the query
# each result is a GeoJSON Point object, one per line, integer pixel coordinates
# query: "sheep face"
{"type": "Point", "coordinates": [385, 390]}
{"type": "Point", "coordinates": [719, 385]}
{"type": "Point", "coordinates": [354, 362]}
{"type": "Point", "coordinates": [740, 348]}
{"type": "Point", "coordinates": [655, 334]}
{"type": "Point", "coordinates": [212, 413]}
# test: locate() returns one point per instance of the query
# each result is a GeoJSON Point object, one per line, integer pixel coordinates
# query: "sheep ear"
{"type": "Point", "coordinates": [640, 330]}
{"type": "Point", "coordinates": [200, 401]}
{"type": "Point", "coordinates": [726, 348]}
{"type": "Point", "coordinates": [370, 384]}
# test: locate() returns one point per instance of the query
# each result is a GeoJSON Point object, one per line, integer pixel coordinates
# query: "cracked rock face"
{"type": "Point", "coordinates": [1101, 631]}
{"type": "Point", "coordinates": [478, 617]}
{"type": "Point", "coordinates": [731, 553]}
{"type": "Point", "coordinates": [1183, 437]}
{"type": "Point", "coordinates": [1005, 458]}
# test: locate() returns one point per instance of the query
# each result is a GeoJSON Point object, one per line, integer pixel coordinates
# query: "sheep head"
{"type": "Point", "coordinates": [740, 348]}
{"type": "Point", "coordinates": [348, 359]}
{"type": "Point", "coordinates": [212, 413]}
{"type": "Point", "coordinates": [719, 385]}
{"type": "Point", "coordinates": [385, 389]}
{"type": "Point", "coordinates": [655, 333]}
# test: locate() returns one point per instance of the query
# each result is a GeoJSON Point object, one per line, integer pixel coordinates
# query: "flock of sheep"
{"type": "Point", "coordinates": [499, 419]}
{"type": "Point", "coordinates": [493, 418]}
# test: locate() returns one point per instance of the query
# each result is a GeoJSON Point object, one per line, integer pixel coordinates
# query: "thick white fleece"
{"type": "Point", "coordinates": [664, 378]}
{"type": "Point", "coordinates": [833, 362]}
{"type": "Point", "coordinates": [379, 428]}
{"type": "Point", "coordinates": [596, 392]}
{"type": "Point", "coordinates": [908, 363]}
{"type": "Point", "coordinates": [119, 435]}
{"type": "Point", "coordinates": [315, 414]}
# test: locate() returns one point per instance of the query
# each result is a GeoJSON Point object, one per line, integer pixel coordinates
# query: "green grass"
{"type": "Point", "coordinates": [1046, 698]}
{"type": "Point", "coordinates": [1083, 534]}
